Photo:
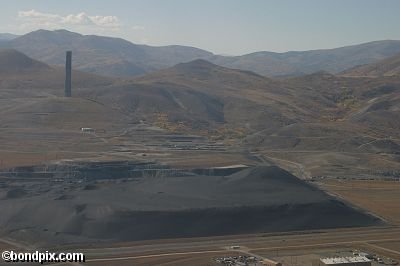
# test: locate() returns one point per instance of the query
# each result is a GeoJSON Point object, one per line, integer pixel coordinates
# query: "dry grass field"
{"type": "Point", "coordinates": [379, 197]}
{"type": "Point", "coordinates": [299, 248]}
{"type": "Point", "coordinates": [394, 245]}
{"type": "Point", "coordinates": [178, 260]}
{"type": "Point", "coordinates": [305, 256]}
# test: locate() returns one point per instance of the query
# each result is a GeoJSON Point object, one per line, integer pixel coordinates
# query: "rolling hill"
{"type": "Point", "coordinates": [246, 98]}
{"type": "Point", "coordinates": [318, 124]}
{"type": "Point", "coordinates": [21, 75]}
{"type": "Point", "coordinates": [331, 121]}
{"type": "Point", "coordinates": [13, 62]}
{"type": "Point", "coordinates": [102, 55]}
{"type": "Point", "coordinates": [306, 62]}
{"type": "Point", "coordinates": [7, 36]}
{"type": "Point", "coordinates": [175, 122]}
{"type": "Point", "coordinates": [386, 67]}
{"type": "Point", "coordinates": [118, 57]}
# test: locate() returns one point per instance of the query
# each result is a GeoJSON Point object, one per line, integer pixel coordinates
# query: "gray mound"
{"type": "Point", "coordinates": [16, 193]}
{"type": "Point", "coordinates": [259, 199]}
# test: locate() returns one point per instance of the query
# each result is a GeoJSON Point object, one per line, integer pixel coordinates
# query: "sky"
{"type": "Point", "coordinates": [229, 27]}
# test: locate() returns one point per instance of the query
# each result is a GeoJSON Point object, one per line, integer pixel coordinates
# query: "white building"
{"type": "Point", "coordinates": [87, 130]}
{"type": "Point", "coordinates": [344, 261]}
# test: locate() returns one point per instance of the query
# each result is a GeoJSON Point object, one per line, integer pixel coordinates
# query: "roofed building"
{"type": "Point", "coordinates": [343, 261]}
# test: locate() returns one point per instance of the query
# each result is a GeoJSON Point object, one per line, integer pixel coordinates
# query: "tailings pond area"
{"type": "Point", "coordinates": [69, 202]}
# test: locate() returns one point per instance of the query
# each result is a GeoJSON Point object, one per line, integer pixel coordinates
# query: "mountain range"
{"type": "Point", "coordinates": [7, 36]}
{"type": "Point", "coordinates": [101, 55]}
{"type": "Point", "coordinates": [386, 67]}
{"type": "Point", "coordinates": [121, 58]}
{"type": "Point", "coordinates": [329, 124]}
{"type": "Point", "coordinates": [174, 135]}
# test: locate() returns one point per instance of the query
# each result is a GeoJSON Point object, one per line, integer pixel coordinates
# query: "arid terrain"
{"type": "Point", "coordinates": [180, 163]}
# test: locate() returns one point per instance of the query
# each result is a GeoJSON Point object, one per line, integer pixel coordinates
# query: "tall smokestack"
{"type": "Point", "coordinates": [68, 74]}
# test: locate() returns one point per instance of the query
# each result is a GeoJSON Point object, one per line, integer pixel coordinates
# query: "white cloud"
{"type": "Point", "coordinates": [34, 19]}
{"type": "Point", "coordinates": [30, 20]}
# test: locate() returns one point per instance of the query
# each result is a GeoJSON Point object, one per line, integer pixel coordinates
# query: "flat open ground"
{"type": "Point", "coordinates": [379, 197]}
{"type": "Point", "coordinates": [298, 248]}
{"type": "Point", "coordinates": [395, 245]}
{"type": "Point", "coordinates": [175, 260]}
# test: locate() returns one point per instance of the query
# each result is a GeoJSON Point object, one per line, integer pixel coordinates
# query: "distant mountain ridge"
{"type": "Point", "coordinates": [102, 55]}
{"type": "Point", "coordinates": [118, 57]}
{"type": "Point", "coordinates": [386, 67]}
{"type": "Point", "coordinates": [306, 62]}
{"type": "Point", "coordinates": [7, 36]}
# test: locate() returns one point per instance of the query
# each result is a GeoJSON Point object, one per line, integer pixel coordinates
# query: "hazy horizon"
{"type": "Point", "coordinates": [224, 54]}
{"type": "Point", "coordinates": [223, 27]}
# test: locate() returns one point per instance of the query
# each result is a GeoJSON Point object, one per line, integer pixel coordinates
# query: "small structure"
{"type": "Point", "coordinates": [87, 130]}
{"type": "Point", "coordinates": [343, 261]}
{"type": "Point", "coordinates": [269, 262]}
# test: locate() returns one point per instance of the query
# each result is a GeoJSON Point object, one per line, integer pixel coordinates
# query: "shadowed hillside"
{"type": "Point", "coordinates": [21, 75]}
{"type": "Point", "coordinates": [14, 62]}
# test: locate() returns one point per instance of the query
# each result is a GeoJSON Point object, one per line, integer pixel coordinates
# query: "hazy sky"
{"type": "Point", "coordinates": [220, 26]}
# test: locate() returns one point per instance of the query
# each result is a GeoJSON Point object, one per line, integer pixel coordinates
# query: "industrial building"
{"type": "Point", "coordinates": [343, 261]}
